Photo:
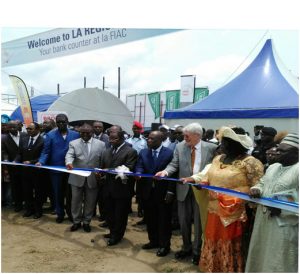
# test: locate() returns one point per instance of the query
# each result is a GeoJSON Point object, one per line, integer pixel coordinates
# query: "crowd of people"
{"type": "Point", "coordinates": [220, 232]}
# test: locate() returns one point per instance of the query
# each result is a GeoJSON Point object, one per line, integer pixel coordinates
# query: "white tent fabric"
{"type": "Point", "coordinates": [94, 104]}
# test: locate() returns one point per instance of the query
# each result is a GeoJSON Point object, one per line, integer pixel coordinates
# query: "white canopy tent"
{"type": "Point", "coordinates": [94, 104]}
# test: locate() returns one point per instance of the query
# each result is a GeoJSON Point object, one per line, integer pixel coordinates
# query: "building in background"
{"type": "Point", "coordinates": [149, 108]}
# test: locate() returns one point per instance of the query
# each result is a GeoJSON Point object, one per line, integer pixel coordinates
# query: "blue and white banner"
{"type": "Point", "coordinates": [289, 206]}
{"type": "Point", "coordinates": [66, 41]}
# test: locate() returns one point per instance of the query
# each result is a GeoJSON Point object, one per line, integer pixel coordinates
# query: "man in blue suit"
{"type": "Point", "coordinates": [157, 195]}
{"type": "Point", "coordinates": [55, 148]}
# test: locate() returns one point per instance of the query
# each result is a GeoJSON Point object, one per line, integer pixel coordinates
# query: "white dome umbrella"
{"type": "Point", "coordinates": [94, 104]}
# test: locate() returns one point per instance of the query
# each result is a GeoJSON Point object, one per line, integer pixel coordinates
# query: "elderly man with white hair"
{"type": "Point", "coordinates": [190, 157]}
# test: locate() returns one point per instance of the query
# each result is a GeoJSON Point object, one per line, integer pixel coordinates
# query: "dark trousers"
{"type": "Point", "coordinates": [15, 173]}
{"type": "Point", "coordinates": [62, 193]}
{"type": "Point", "coordinates": [6, 196]}
{"type": "Point", "coordinates": [33, 189]}
{"type": "Point", "coordinates": [158, 216]}
{"type": "Point", "coordinates": [48, 190]}
{"type": "Point", "coordinates": [100, 202]}
{"type": "Point", "coordinates": [116, 211]}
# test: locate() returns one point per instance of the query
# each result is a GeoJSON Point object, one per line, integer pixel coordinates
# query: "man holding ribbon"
{"type": "Point", "coordinates": [157, 195]}
{"type": "Point", "coordinates": [84, 153]}
{"type": "Point", "coordinates": [116, 189]}
{"type": "Point", "coordinates": [190, 157]}
{"type": "Point", "coordinates": [274, 240]}
{"type": "Point", "coordinates": [29, 152]}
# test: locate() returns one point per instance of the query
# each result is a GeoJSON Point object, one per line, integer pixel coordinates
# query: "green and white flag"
{"type": "Point", "coordinates": [154, 99]}
{"type": "Point", "coordinates": [200, 94]}
{"type": "Point", "coordinates": [172, 99]}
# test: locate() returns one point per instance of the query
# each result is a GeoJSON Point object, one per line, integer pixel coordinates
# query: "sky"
{"type": "Point", "coordinates": [214, 53]}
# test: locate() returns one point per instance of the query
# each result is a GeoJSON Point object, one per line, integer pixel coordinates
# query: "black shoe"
{"type": "Point", "coordinates": [149, 246]}
{"type": "Point", "coordinates": [163, 251]}
{"type": "Point", "coordinates": [141, 222]}
{"type": "Point", "coordinates": [112, 241]}
{"type": "Point", "coordinates": [75, 227]}
{"type": "Point", "coordinates": [59, 220]}
{"type": "Point", "coordinates": [182, 254]}
{"type": "Point", "coordinates": [107, 236]}
{"type": "Point", "coordinates": [37, 215]}
{"type": "Point", "coordinates": [28, 213]}
{"type": "Point", "coordinates": [104, 224]}
{"type": "Point", "coordinates": [175, 226]}
{"type": "Point", "coordinates": [101, 218]}
{"type": "Point", "coordinates": [87, 228]}
{"type": "Point", "coordinates": [196, 259]}
{"type": "Point", "coordinates": [70, 218]}
{"type": "Point", "coordinates": [18, 208]}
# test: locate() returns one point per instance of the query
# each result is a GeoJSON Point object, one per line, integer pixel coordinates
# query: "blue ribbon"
{"type": "Point", "coordinates": [290, 206]}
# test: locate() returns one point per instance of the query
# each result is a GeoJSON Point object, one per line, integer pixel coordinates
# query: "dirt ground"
{"type": "Point", "coordinates": [42, 245]}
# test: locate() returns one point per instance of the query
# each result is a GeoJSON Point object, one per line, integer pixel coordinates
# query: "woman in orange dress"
{"type": "Point", "coordinates": [222, 249]}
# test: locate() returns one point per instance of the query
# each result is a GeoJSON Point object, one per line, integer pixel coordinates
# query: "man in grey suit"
{"type": "Point", "coordinates": [84, 152]}
{"type": "Point", "coordinates": [190, 157]}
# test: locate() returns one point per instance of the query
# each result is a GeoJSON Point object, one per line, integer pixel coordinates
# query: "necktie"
{"type": "Point", "coordinates": [193, 156]}
{"type": "Point", "coordinates": [30, 143]}
{"type": "Point", "coordinates": [154, 154]}
{"type": "Point", "coordinates": [86, 148]}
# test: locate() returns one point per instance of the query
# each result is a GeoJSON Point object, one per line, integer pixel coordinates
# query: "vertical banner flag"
{"type": "Point", "coordinates": [154, 99]}
{"type": "Point", "coordinates": [187, 88]}
{"type": "Point", "coordinates": [23, 98]}
{"type": "Point", "coordinates": [200, 93]}
{"type": "Point", "coordinates": [172, 99]}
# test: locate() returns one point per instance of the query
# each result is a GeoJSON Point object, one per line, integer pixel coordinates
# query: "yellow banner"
{"type": "Point", "coordinates": [23, 98]}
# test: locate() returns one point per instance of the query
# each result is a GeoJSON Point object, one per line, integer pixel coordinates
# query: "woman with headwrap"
{"type": "Point", "coordinates": [222, 250]}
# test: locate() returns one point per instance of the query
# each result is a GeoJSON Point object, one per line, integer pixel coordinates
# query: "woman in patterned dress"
{"type": "Point", "coordinates": [222, 250]}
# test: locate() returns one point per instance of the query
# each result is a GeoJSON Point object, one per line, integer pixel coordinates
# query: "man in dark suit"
{"type": "Point", "coordinates": [29, 152]}
{"type": "Point", "coordinates": [116, 191]}
{"type": "Point", "coordinates": [10, 149]}
{"type": "Point", "coordinates": [99, 134]}
{"type": "Point", "coordinates": [190, 156]}
{"type": "Point", "coordinates": [157, 195]}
